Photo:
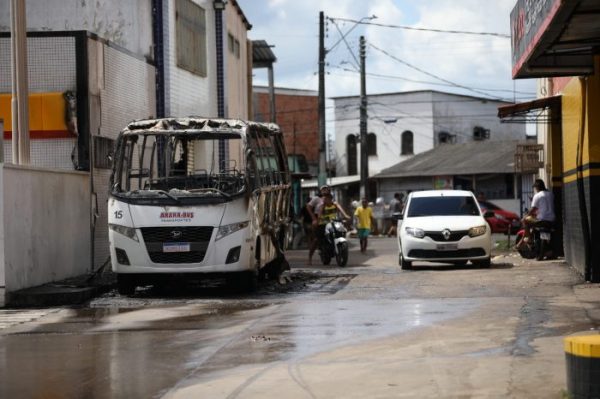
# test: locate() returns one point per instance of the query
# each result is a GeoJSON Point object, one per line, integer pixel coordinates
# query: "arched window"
{"type": "Point", "coordinates": [407, 143]}
{"type": "Point", "coordinates": [351, 154]}
{"type": "Point", "coordinates": [371, 144]}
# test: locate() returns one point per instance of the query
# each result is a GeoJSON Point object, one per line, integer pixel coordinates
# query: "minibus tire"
{"type": "Point", "coordinates": [125, 284]}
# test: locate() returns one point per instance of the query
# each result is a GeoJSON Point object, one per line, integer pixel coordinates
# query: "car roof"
{"type": "Point", "coordinates": [441, 193]}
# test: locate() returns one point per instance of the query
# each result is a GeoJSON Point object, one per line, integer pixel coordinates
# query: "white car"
{"type": "Point", "coordinates": [443, 226]}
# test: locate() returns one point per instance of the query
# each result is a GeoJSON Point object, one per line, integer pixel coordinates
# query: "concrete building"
{"type": "Point", "coordinates": [95, 66]}
{"type": "Point", "coordinates": [558, 42]}
{"type": "Point", "coordinates": [401, 125]}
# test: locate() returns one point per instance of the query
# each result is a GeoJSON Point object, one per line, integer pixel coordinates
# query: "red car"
{"type": "Point", "coordinates": [502, 219]}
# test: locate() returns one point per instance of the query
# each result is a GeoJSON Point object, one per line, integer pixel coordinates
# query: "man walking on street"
{"type": "Point", "coordinates": [396, 207]}
{"type": "Point", "coordinates": [364, 216]}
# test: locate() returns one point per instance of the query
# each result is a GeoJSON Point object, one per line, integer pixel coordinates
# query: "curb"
{"type": "Point", "coordinates": [53, 295]}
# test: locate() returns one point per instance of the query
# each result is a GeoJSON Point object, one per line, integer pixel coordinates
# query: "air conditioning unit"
{"type": "Point", "coordinates": [480, 133]}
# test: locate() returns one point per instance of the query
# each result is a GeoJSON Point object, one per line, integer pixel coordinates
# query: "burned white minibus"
{"type": "Point", "coordinates": [195, 197]}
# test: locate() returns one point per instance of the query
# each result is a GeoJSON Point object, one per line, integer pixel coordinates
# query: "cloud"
{"type": "Point", "coordinates": [473, 61]}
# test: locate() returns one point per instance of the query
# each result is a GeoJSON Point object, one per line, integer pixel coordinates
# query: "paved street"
{"type": "Point", "coordinates": [369, 330]}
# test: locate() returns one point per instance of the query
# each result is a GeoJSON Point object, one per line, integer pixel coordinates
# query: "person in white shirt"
{"type": "Point", "coordinates": [541, 212]}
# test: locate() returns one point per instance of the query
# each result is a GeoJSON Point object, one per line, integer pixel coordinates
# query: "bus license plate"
{"type": "Point", "coordinates": [447, 247]}
{"type": "Point", "coordinates": [176, 247]}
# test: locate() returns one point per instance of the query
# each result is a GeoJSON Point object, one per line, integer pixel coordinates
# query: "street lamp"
{"type": "Point", "coordinates": [219, 4]}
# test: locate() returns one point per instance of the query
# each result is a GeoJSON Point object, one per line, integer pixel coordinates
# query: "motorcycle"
{"type": "Point", "coordinates": [540, 243]}
{"type": "Point", "coordinates": [334, 244]}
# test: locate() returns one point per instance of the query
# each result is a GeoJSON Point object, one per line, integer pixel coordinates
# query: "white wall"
{"type": "Point", "coordinates": [2, 271]}
{"type": "Point", "coordinates": [45, 225]}
{"type": "Point", "coordinates": [116, 98]}
{"type": "Point", "coordinates": [389, 116]}
{"type": "Point", "coordinates": [185, 93]}
{"type": "Point", "coordinates": [126, 23]}
{"type": "Point", "coordinates": [460, 114]}
{"type": "Point", "coordinates": [425, 113]}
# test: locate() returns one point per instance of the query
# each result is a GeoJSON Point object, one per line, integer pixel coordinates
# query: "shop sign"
{"type": "Point", "coordinates": [528, 20]}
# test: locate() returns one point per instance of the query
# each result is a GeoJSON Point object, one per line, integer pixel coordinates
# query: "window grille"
{"type": "Point", "coordinates": [104, 148]}
{"type": "Point", "coordinates": [190, 29]}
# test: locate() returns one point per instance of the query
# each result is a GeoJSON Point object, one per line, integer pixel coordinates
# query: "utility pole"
{"type": "Point", "coordinates": [322, 178]}
{"type": "Point", "coordinates": [364, 157]}
{"type": "Point", "coordinates": [20, 85]}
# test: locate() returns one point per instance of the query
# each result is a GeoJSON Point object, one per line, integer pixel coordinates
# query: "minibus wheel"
{"type": "Point", "coordinates": [125, 284]}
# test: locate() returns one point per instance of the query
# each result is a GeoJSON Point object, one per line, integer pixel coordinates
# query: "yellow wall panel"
{"type": "Point", "coordinates": [35, 112]}
{"type": "Point", "coordinates": [593, 120]}
{"type": "Point", "coordinates": [5, 111]}
{"type": "Point", "coordinates": [571, 120]}
{"type": "Point", "coordinates": [53, 111]}
{"type": "Point", "coordinates": [46, 112]}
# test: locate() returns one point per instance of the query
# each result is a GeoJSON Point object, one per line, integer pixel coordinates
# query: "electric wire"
{"type": "Point", "coordinates": [435, 76]}
{"type": "Point", "coordinates": [461, 32]}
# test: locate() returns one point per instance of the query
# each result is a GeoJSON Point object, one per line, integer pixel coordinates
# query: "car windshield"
{"type": "Point", "coordinates": [443, 206]}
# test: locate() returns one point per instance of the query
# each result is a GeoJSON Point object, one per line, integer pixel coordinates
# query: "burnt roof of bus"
{"type": "Point", "coordinates": [194, 125]}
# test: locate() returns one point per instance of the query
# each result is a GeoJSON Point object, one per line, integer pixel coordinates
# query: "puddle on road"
{"type": "Point", "coordinates": [309, 327]}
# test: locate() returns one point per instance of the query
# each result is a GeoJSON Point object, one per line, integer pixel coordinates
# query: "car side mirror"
{"type": "Point", "coordinates": [489, 214]}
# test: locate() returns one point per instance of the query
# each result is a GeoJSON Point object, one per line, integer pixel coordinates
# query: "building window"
{"type": "Point", "coordinates": [446, 138]}
{"type": "Point", "coordinates": [480, 133]}
{"type": "Point", "coordinates": [190, 33]}
{"type": "Point", "coordinates": [371, 144]}
{"type": "Point", "coordinates": [351, 154]}
{"type": "Point", "coordinates": [233, 45]}
{"type": "Point", "coordinates": [407, 143]}
{"type": "Point", "coordinates": [230, 42]}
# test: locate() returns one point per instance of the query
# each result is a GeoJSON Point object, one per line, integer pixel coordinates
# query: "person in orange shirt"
{"type": "Point", "coordinates": [364, 218]}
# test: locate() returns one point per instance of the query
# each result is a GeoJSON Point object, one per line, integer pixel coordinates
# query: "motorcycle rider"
{"type": "Point", "coordinates": [541, 212]}
{"type": "Point", "coordinates": [326, 212]}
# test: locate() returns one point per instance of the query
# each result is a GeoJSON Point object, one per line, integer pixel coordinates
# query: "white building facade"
{"type": "Point", "coordinates": [401, 125]}
{"type": "Point", "coordinates": [105, 53]}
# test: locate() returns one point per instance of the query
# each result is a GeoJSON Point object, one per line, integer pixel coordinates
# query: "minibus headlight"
{"type": "Point", "coordinates": [128, 232]}
{"type": "Point", "coordinates": [228, 229]}
{"type": "Point", "coordinates": [477, 231]}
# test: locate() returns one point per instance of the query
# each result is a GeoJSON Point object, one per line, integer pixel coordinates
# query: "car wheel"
{"type": "Point", "coordinates": [485, 263]}
{"type": "Point", "coordinates": [404, 264]}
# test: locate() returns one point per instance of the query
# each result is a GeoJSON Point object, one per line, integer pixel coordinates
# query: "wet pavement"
{"type": "Point", "coordinates": [366, 330]}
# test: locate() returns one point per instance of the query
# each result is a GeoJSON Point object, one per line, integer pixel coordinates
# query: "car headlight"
{"type": "Point", "coordinates": [228, 229]}
{"type": "Point", "coordinates": [128, 232]}
{"type": "Point", "coordinates": [415, 232]}
{"type": "Point", "coordinates": [477, 231]}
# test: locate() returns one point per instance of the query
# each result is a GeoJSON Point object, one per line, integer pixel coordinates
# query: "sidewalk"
{"type": "Point", "coordinates": [71, 291]}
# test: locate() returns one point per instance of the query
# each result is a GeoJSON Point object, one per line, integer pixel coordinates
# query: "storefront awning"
{"type": "Point", "coordinates": [531, 111]}
{"type": "Point", "coordinates": [554, 37]}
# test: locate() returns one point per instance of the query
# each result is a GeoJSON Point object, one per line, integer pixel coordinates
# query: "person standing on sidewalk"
{"type": "Point", "coordinates": [396, 207]}
{"type": "Point", "coordinates": [364, 217]}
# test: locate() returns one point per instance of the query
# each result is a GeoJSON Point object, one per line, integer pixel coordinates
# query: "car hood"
{"type": "Point", "coordinates": [439, 223]}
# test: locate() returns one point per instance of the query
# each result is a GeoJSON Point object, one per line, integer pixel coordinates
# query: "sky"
{"type": "Point", "coordinates": [480, 64]}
